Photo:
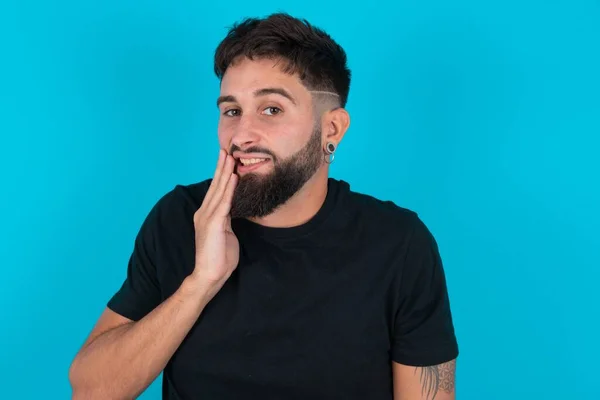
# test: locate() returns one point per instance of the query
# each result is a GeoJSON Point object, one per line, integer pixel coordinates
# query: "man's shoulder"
{"type": "Point", "coordinates": [383, 214]}
{"type": "Point", "coordinates": [192, 193]}
{"type": "Point", "coordinates": [390, 235]}
{"type": "Point", "coordinates": [179, 203]}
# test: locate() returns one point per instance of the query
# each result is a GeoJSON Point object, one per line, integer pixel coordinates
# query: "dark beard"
{"type": "Point", "coordinates": [259, 195]}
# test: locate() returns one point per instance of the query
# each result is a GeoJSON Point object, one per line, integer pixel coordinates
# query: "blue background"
{"type": "Point", "coordinates": [483, 116]}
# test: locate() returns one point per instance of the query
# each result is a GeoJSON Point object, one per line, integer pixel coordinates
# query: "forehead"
{"type": "Point", "coordinates": [245, 77]}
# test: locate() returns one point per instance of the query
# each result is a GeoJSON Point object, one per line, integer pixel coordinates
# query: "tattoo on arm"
{"type": "Point", "coordinates": [437, 377]}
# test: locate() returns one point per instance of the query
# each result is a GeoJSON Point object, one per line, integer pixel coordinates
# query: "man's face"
{"type": "Point", "coordinates": [267, 122]}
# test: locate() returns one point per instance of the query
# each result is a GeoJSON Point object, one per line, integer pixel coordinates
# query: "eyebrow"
{"type": "Point", "coordinates": [258, 93]}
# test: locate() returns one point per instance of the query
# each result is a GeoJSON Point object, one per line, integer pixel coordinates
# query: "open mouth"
{"type": "Point", "coordinates": [250, 164]}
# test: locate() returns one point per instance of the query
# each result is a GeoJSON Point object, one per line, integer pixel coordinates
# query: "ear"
{"type": "Point", "coordinates": [335, 123]}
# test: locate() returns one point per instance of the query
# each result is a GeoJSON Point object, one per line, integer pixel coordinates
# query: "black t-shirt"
{"type": "Point", "coordinates": [317, 311]}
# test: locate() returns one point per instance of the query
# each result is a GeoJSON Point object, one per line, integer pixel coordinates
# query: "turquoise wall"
{"type": "Point", "coordinates": [484, 117]}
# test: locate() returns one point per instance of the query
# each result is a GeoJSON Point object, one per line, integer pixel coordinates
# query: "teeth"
{"type": "Point", "coordinates": [250, 161]}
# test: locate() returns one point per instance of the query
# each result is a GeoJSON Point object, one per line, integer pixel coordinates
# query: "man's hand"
{"type": "Point", "coordinates": [121, 357]}
{"type": "Point", "coordinates": [217, 247]}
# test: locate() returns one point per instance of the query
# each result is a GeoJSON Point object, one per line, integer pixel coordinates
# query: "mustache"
{"type": "Point", "coordinates": [254, 149]}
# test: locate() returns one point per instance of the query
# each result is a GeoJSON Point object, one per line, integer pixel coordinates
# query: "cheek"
{"type": "Point", "coordinates": [288, 139]}
{"type": "Point", "coordinates": [224, 134]}
{"type": "Point", "coordinates": [288, 142]}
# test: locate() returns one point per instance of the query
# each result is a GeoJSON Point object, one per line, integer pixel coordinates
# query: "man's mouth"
{"type": "Point", "coordinates": [250, 164]}
{"type": "Point", "coordinates": [251, 161]}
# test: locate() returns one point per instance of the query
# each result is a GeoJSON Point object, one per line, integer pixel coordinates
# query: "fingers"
{"type": "Point", "coordinates": [225, 206]}
{"type": "Point", "coordinates": [217, 196]}
{"type": "Point", "coordinates": [215, 180]}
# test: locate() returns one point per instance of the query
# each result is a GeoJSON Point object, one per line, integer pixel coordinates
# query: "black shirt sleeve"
{"type": "Point", "coordinates": [140, 292]}
{"type": "Point", "coordinates": [423, 327]}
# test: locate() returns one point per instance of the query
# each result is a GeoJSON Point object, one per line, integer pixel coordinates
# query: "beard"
{"type": "Point", "coordinates": [259, 195]}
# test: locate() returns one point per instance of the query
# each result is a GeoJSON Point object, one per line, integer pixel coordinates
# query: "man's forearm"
{"type": "Point", "coordinates": [123, 362]}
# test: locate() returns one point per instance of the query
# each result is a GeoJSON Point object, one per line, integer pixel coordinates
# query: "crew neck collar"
{"type": "Point", "coordinates": [334, 192]}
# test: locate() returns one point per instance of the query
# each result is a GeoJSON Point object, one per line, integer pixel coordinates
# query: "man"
{"type": "Point", "coordinates": [272, 280]}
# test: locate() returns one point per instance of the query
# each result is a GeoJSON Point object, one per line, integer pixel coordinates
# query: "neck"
{"type": "Point", "coordinates": [301, 207]}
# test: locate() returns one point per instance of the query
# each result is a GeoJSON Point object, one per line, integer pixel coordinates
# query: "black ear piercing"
{"type": "Point", "coordinates": [329, 151]}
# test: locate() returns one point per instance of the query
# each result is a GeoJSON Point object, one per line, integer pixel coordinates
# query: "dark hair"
{"type": "Point", "coordinates": [319, 61]}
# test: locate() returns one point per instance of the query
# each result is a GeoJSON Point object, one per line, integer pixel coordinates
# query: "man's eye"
{"type": "Point", "coordinates": [232, 113]}
{"type": "Point", "coordinates": [272, 110]}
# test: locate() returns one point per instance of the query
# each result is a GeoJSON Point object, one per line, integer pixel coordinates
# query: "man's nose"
{"type": "Point", "coordinates": [245, 133]}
